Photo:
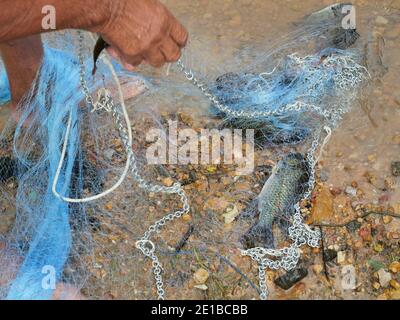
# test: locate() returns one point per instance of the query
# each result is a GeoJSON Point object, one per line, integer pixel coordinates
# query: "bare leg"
{"type": "Point", "coordinates": [22, 59]}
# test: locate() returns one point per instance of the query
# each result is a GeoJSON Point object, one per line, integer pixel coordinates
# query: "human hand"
{"type": "Point", "coordinates": [142, 31]}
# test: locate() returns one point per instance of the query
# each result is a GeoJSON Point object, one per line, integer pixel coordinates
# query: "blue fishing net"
{"type": "Point", "coordinates": [5, 94]}
{"type": "Point", "coordinates": [50, 235]}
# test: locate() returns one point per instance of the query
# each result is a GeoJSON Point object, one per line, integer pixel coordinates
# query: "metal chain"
{"type": "Point", "coordinates": [145, 245]}
{"type": "Point", "coordinates": [300, 233]}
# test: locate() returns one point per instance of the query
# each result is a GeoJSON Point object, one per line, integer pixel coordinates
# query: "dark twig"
{"type": "Point", "coordinates": [184, 239]}
{"type": "Point", "coordinates": [365, 215]}
{"type": "Point", "coordinates": [222, 258]}
{"type": "Point", "coordinates": [326, 272]}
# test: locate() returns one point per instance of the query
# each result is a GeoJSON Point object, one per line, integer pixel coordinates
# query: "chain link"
{"type": "Point", "coordinates": [145, 245]}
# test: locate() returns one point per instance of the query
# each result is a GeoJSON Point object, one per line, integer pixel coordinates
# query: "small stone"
{"type": "Point", "coordinates": [372, 158]}
{"type": "Point", "coordinates": [365, 234]}
{"type": "Point", "coordinates": [231, 215]}
{"type": "Point", "coordinates": [201, 276]}
{"type": "Point", "coordinates": [395, 235]}
{"type": "Point", "coordinates": [353, 226]}
{"type": "Point", "coordinates": [330, 255]}
{"type": "Point", "coordinates": [354, 184]}
{"type": "Point", "coordinates": [109, 154]}
{"type": "Point", "coordinates": [351, 191]}
{"type": "Point", "coordinates": [109, 206]}
{"type": "Point", "coordinates": [376, 285]}
{"type": "Point", "coordinates": [187, 218]}
{"type": "Point", "coordinates": [324, 176]}
{"type": "Point", "coordinates": [395, 267]}
{"type": "Point", "coordinates": [322, 209]}
{"type": "Point", "coordinates": [394, 284]}
{"type": "Point", "coordinates": [292, 277]}
{"type": "Point", "coordinates": [396, 168]}
{"type": "Point", "coordinates": [384, 278]}
{"type": "Point", "coordinates": [335, 191]}
{"type": "Point", "coordinates": [168, 182]}
{"type": "Point", "coordinates": [341, 257]}
{"type": "Point", "coordinates": [378, 248]}
{"type": "Point", "coordinates": [318, 268]}
{"type": "Point", "coordinates": [387, 219]}
{"type": "Point", "coordinates": [202, 287]}
{"type": "Point", "coordinates": [390, 183]}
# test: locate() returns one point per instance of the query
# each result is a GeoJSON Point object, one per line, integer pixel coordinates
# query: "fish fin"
{"type": "Point", "coordinates": [283, 223]}
{"type": "Point", "coordinates": [258, 236]}
{"type": "Point", "coordinates": [251, 210]}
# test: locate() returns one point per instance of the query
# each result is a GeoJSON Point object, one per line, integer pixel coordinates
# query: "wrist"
{"type": "Point", "coordinates": [97, 14]}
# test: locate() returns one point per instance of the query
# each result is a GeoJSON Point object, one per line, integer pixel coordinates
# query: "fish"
{"type": "Point", "coordinates": [101, 44]}
{"type": "Point", "coordinates": [275, 204]}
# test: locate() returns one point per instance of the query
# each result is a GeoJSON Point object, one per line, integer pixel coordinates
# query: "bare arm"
{"type": "Point", "coordinates": [137, 30]}
{"type": "Point", "coordinates": [22, 18]}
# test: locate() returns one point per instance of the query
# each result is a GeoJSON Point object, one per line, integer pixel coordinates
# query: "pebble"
{"type": "Point", "coordinates": [289, 279]}
{"type": "Point", "coordinates": [396, 168]}
{"type": "Point", "coordinates": [387, 219]}
{"type": "Point", "coordinates": [231, 215]}
{"type": "Point", "coordinates": [324, 176]}
{"type": "Point", "coordinates": [202, 287]}
{"type": "Point", "coordinates": [318, 268]}
{"type": "Point", "coordinates": [330, 255]}
{"type": "Point", "coordinates": [335, 191]}
{"type": "Point", "coordinates": [341, 257]}
{"type": "Point", "coordinates": [109, 153]}
{"type": "Point", "coordinates": [394, 284]}
{"type": "Point", "coordinates": [322, 209]}
{"type": "Point", "coordinates": [168, 182]}
{"type": "Point", "coordinates": [353, 226]}
{"type": "Point", "coordinates": [384, 278]}
{"type": "Point", "coordinates": [201, 276]}
{"type": "Point", "coordinates": [376, 285]}
{"type": "Point", "coordinates": [395, 267]}
{"type": "Point", "coordinates": [351, 191]}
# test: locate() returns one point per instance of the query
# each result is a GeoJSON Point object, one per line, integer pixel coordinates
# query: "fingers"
{"type": "Point", "coordinates": [155, 58]}
{"type": "Point", "coordinates": [167, 48]}
{"type": "Point", "coordinates": [131, 65]}
{"type": "Point", "coordinates": [170, 50]}
{"type": "Point", "coordinates": [179, 34]}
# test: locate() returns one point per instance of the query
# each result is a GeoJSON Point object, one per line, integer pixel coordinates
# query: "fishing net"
{"type": "Point", "coordinates": [84, 220]}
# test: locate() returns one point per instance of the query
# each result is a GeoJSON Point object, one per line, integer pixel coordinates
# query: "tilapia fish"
{"type": "Point", "coordinates": [275, 204]}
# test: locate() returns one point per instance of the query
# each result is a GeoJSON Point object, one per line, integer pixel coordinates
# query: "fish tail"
{"type": "Point", "coordinates": [259, 235]}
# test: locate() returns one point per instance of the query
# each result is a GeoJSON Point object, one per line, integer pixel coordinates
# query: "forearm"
{"type": "Point", "coordinates": [22, 18]}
